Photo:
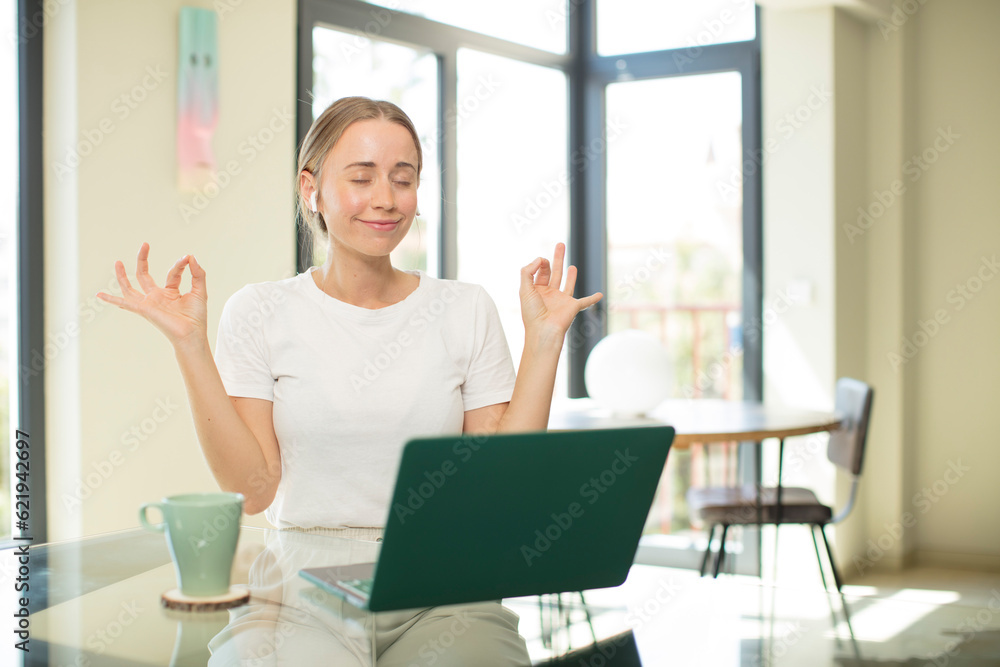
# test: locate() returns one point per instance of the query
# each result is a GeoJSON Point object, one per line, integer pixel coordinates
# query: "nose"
{"type": "Point", "coordinates": [382, 195]}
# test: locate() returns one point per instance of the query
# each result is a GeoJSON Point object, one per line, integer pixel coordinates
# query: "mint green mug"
{"type": "Point", "coordinates": [202, 530]}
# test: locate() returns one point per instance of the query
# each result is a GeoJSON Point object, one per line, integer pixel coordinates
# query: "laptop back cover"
{"type": "Point", "coordinates": [486, 517]}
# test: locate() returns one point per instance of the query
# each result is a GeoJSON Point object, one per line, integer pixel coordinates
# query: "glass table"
{"type": "Point", "coordinates": [96, 601]}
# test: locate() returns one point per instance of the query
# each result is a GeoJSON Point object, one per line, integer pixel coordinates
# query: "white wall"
{"type": "Point", "coordinates": [109, 371]}
{"type": "Point", "coordinates": [955, 61]}
{"type": "Point", "coordinates": [898, 84]}
{"type": "Point", "coordinates": [799, 193]}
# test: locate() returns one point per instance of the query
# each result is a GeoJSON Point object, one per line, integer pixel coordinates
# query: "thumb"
{"type": "Point", "coordinates": [587, 302]}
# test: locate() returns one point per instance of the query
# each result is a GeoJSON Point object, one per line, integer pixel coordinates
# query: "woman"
{"type": "Point", "coordinates": [319, 380]}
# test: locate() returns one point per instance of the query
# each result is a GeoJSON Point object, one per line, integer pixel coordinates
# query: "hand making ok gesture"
{"type": "Point", "coordinates": [544, 306]}
{"type": "Point", "coordinates": [181, 317]}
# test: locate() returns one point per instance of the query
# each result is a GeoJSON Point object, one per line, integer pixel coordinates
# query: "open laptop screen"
{"type": "Point", "coordinates": [486, 517]}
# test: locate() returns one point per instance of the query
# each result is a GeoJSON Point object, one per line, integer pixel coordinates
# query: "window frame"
{"type": "Point", "coordinates": [29, 385]}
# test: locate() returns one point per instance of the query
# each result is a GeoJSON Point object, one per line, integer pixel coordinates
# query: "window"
{"type": "Point", "coordinates": [510, 191]}
{"type": "Point", "coordinates": [675, 252]}
{"type": "Point", "coordinates": [675, 239]}
{"type": "Point", "coordinates": [678, 246]}
{"type": "Point", "coordinates": [537, 23]}
{"type": "Point", "coordinates": [634, 26]}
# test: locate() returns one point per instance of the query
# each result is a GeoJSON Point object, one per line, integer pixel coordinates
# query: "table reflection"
{"type": "Point", "coordinates": [291, 621]}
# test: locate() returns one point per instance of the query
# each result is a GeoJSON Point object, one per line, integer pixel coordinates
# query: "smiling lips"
{"type": "Point", "coordinates": [382, 225]}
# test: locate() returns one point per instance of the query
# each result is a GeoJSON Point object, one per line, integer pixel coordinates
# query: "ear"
{"type": "Point", "coordinates": [308, 189]}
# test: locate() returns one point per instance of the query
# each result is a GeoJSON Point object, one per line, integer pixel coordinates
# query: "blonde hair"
{"type": "Point", "coordinates": [326, 132]}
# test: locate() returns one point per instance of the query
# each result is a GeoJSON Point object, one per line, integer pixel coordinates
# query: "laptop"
{"type": "Point", "coordinates": [477, 518]}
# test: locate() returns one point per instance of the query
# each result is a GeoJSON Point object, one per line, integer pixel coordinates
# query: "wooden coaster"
{"type": "Point", "coordinates": [174, 599]}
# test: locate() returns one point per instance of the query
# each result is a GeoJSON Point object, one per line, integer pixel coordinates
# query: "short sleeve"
{"type": "Point", "coordinates": [240, 350]}
{"type": "Point", "coordinates": [490, 377]}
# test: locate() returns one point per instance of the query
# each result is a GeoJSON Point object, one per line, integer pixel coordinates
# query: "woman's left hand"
{"type": "Point", "coordinates": [543, 304]}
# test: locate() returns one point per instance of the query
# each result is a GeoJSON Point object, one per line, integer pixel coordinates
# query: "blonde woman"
{"type": "Point", "coordinates": [318, 380]}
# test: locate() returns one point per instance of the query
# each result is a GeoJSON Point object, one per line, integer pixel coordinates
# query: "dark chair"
{"type": "Point", "coordinates": [754, 505]}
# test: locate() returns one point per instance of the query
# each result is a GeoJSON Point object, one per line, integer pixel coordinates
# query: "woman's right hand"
{"type": "Point", "coordinates": [183, 318]}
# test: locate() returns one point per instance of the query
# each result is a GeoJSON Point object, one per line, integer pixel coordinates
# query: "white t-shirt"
{"type": "Point", "coordinates": [351, 385]}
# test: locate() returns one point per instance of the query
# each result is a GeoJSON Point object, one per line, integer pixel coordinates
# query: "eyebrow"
{"type": "Point", "coordinates": [371, 165]}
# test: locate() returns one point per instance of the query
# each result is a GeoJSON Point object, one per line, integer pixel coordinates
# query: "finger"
{"type": "Point", "coordinates": [588, 301]}
{"type": "Point", "coordinates": [197, 278]}
{"type": "Point", "coordinates": [175, 273]}
{"type": "Point", "coordinates": [123, 281]}
{"type": "Point", "coordinates": [142, 269]}
{"type": "Point", "coordinates": [127, 291]}
{"type": "Point", "coordinates": [544, 275]}
{"type": "Point", "coordinates": [112, 299]}
{"type": "Point", "coordinates": [527, 272]}
{"type": "Point", "coordinates": [557, 265]}
{"type": "Point", "coordinates": [570, 280]}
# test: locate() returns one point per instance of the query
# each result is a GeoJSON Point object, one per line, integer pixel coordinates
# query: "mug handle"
{"type": "Point", "coordinates": [156, 527]}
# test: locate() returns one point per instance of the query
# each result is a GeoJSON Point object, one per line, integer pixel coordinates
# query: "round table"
{"type": "Point", "coordinates": [704, 421]}
{"type": "Point", "coordinates": [699, 420]}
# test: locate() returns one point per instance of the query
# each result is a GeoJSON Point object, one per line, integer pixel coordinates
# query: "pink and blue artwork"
{"type": "Point", "coordinates": [197, 97]}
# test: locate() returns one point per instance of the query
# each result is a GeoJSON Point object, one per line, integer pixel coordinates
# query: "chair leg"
{"type": "Point", "coordinates": [819, 559]}
{"type": "Point", "coordinates": [546, 630]}
{"type": "Point", "coordinates": [774, 556]}
{"type": "Point", "coordinates": [843, 598]}
{"type": "Point", "coordinates": [721, 554]}
{"type": "Point", "coordinates": [708, 550]}
{"type": "Point", "coordinates": [590, 621]}
{"type": "Point", "coordinates": [833, 564]}
{"type": "Point", "coordinates": [564, 621]}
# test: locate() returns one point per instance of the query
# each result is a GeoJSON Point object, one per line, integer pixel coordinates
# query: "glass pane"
{"type": "Point", "coordinates": [8, 218]}
{"type": "Point", "coordinates": [632, 26]}
{"type": "Point", "coordinates": [537, 23]}
{"type": "Point", "coordinates": [346, 64]}
{"type": "Point", "coordinates": [513, 198]}
{"type": "Point", "coordinates": [675, 247]}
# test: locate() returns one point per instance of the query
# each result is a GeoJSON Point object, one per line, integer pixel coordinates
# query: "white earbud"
{"type": "Point", "coordinates": [312, 202]}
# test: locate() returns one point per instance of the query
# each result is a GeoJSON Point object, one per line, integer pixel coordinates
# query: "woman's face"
{"type": "Point", "coordinates": [368, 196]}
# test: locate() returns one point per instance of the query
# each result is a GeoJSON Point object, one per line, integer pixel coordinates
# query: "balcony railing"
{"type": "Point", "coordinates": [704, 321]}
{"type": "Point", "coordinates": [704, 343]}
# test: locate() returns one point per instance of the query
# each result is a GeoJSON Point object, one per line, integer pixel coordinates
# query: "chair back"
{"type": "Point", "coordinates": [853, 403]}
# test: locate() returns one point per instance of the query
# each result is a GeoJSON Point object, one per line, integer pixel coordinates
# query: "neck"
{"type": "Point", "coordinates": [366, 282]}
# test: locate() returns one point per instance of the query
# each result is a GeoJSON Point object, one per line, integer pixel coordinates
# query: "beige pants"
{"type": "Point", "coordinates": [291, 622]}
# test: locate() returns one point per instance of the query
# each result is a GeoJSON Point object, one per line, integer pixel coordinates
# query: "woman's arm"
{"type": "Point", "coordinates": [236, 434]}
{"type": "Point", "coordinates": [547, 313]}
